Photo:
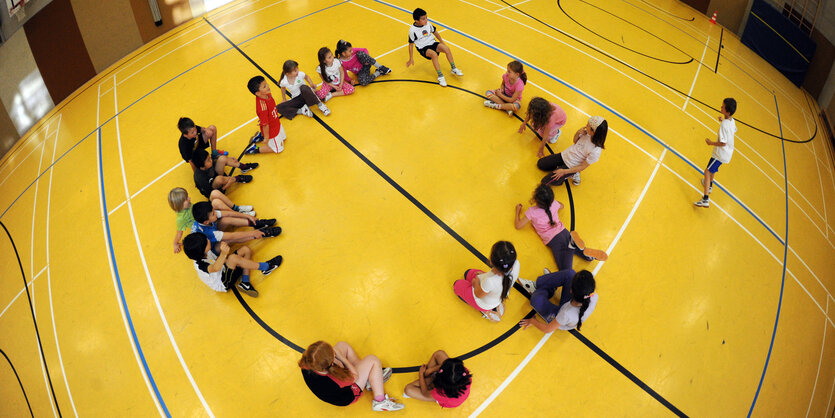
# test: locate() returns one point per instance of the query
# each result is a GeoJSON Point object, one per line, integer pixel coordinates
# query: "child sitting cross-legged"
{"type": "Point", "coordinates": [221, 271]}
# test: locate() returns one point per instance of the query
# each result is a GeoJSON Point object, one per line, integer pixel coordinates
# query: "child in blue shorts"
{"type": "Point", "coordinates": [723, 149]}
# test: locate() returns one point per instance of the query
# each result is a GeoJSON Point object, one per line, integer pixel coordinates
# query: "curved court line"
{"type": "Point", "coordinates": [18, 382]}
{"type": "Point", "coordinates": [780, 137]}
{"type": "Point", "coordinates": [559, 4]}
{"type": "Point", "coordinates": [666, 12]}
{"type": "Point", "coordinates": [34, 321]}
{"type": "Point", "coordinates": [785, 266]}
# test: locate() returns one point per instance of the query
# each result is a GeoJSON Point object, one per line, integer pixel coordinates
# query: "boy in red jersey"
{"type": "Point", "coordinates": [271, 129]}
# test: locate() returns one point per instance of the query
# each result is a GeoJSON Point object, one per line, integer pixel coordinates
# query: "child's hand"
{"type": "Point", "coordinates": [258, 234]}
{"type": "Point", "coordinates": [522, 128]}
{"type": "Point", "coordinates": [540, 152]}
{"type": "Point", "coordinates": [422, 370]}
{"type": "Point", "coordinates": [518, 209]}
{"type": "Point", "coordinates": [707, 141]}
{"type": "Point", "coordinates": [177, 247]}
{"type": "Point", "coordinates": [720, 118]}
{"type": "Point", "coordinates": [224, 248]}
{"type": "Point", "coordinates": [525, 323]}
{"type": "Point", "coordinates": [409, 63]}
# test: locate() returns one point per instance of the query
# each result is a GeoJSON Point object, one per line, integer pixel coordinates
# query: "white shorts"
{"type": "Point", "coordinates": [276, 143]}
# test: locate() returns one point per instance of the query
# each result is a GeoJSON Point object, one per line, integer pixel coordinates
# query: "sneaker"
{"type": "Point", "coordinates": [702, 203]}
{"type": "Point", "coordinates": [386, 376]}
{"type": "Point", "coordinates": [442, 81]}
{"type": "Point", "coordinates": [384, 70]}
{"type": "Point", "coordinates": [272, 231]}
{"type": "Point", "coordinates": [252, 149]}
{"type": "Point", "coordinates": [529, 285]}
{"type": "Point", "coordinates": [509, 113]}
{"type": "Point", "coordinates": [575, 179]}
{"type": "Point", "coordinates": [590, 254]}
{"type": "Point", "coordinates": [246, 287]}
{"type": "Point", "coordinates": [324, 109]}
{"type": "Point", "coordinates": [243, 178]}
{"type": "Point", "coordinates": [492, 316]}
{"type": "Point", "coordinates": [305, 111]}
{"type": "Point", "coordinates": [245, 208]}
{"type": "Point", "coordinates": [546, 271]}
{"type": "Point", "coordinates": [263, 223]}
{"type": "Point", "coordinates": [575, 242]}
{"type": "Point", "coordinates": [249, 212]}
{"type": "Point", "coordinates": [491, 105]}
{"type": "Point", "coordinates": [554, 138]}
{"type": "Point", "coordinates": [328, 97]}
{"type": "Point", "coordinates": [274, 263]}
{"type": "Point", "coordinates": [457, 72]}
{"type": "Point", "coordinates": [500, 309]}
{"type": "Point", "coordinates": [258, 137]}
{"type": "Point", "coordinates": [248, 167]}
{"type": "Point", "coordinates": [709, 189]}
{"type": "Point", "coordinates": [388, 404]}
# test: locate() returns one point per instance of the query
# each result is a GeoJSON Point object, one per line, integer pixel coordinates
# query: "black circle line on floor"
{"type": "Point", "coordinates": [622, 45]}
{"type": "Point", "coordinates": [18, 382]}
{"type": "Point", "coordinates": [517, 286]}
{"type": "Point", "coordinates": [675, 16]}
{"type": "Point", "coordinates": [683, 94]}
{"type": "Point", "coordinates": [34, 321]}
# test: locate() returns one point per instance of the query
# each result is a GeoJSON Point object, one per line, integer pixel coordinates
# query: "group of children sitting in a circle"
{"type": "Point", "coordinates": [336, 374]}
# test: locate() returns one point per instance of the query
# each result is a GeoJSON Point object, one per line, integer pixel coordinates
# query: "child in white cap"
{"type": "Point", "coordinates": [585, 151]}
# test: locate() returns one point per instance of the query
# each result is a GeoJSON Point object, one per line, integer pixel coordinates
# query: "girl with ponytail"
{"type": "Point", "coordinates": [486, 291]}
{"type": "Point", "coordinates": [336, 375]}
{"type": "Point", "coordinates": [577, 301]}
{"type": "Point", "coordinates": [443, 380]}
{"type": "Point", "coordinates": [546, 222]}
{"type": "Point", "coordinates": [508, 96]}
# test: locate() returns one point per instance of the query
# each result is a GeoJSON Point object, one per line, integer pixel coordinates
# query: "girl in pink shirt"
{"type": "Point", "coordinates": [554, 235]}
{"type": "Point", "coordinates": [508, 96]}
{"type": "Point", "coordinates": [443, 380]}
{"type": "Point", "coordinates": [359, 62]}
{"type": "Point", "coordinates": [546, 119]}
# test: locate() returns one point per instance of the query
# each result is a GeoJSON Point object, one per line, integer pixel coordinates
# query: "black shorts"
{"type": "Point", "coordinates": [433, 47]}
{"type": "Point", "coordinates": [230, 277]}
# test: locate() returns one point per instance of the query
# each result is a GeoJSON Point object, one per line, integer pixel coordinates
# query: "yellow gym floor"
{"type": "Point", "coordinates": [705, 312]}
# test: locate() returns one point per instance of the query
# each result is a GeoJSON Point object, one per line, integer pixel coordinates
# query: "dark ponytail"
{"type": "Point", "coordinates": [516, 67]}
{"type": "Point", "coordinates": [323, 53]}
{"type": "Point", "coordinates": [341, 47]}
{"type": "Point", "coordinates": [453, 378]}
{"type": "Point", "coordinates": [582, 286]}
{"type": "Point", "coordinates": [503, 257]}
{"type": "Point", "coordinates": [544, 198]}
{"type": "Point", "coordinates": [599, 137]}
{"type": "Point", "coordinates": [288, 66]}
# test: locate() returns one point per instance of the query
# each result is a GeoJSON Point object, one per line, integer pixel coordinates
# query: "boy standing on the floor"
{"type": "Point", "coordinates": [723, 149]}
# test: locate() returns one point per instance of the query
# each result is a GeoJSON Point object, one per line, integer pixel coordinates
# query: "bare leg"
{"type": "Point", "coordinates": [225, 161]}
{"type": "Point", "coordinates": [220, 201]}
{"type": "Point", "coordinates": [242, 259]}
{"type": "Point", "coordinates": [434, 57]}
{"type": "Point", "coordinates": [221, 181]}
{"type": "Point", "coordinates": [437, 359]}
{"type": "Point", "coordinates": [412, 390]}
{"type": "Point", "coordinates": [708, 181]}
{"type": "Point", "coordinates": [210, 133]}
{"type": "Point", "coordinates": [445, 49]}
{"type": "Point", "coordinates": [238, 237]}
{"type": "Point", "coordinates": [369, 369]}
{"type": "Point", "coordinates": [226, 222]}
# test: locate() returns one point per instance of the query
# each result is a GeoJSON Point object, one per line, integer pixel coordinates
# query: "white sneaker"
{"type": "Point", "coordinates": [500, 309]}
{"type": "Point", "coordinates": [709, 189]}
{"type": "Point", "coordinates": [491, 105]}
{"type": "Point", "coordinates": [324, 109]}
{"type": "Point", "coordinates": [305, 111]}
{"type": "Point", "coordinates": [575, 179]}
{"type": "Point", "coordinates": [492, 316]}
{"type": "Point", "coordinates": [250, 213]}
{"type": "Point", "coordinates": [546, 271]}
{"type": "Point", "coordinates": [554, 138]}
{"type": "Point", "coordinates": [328, 97]}
{"type": "Point", "coordinates": [442, 81]}
{"type": "Point", "coordinates": [387, 404]}
{"type": "Point", "coordinates": [245, 208]}
{"type": "Point", "coordinates": [702, 203]}
{"type": "Point", "coordinates": [529, 285]}
{"type": "Point", "coordinates": [457, 72]}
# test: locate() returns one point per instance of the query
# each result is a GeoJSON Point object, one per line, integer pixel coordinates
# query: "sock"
{"type": "Point", "coordinates": [263, 266]}
{"type": "Point", "coordinates": [245, 278]}
{"type": "Point", "coordinates": [250, 222]}
{"type": "Point", "coordinates": [235, 208]}
{"type": "Point", "coordinates": [440, 74]}
{"type": "Point", "coordinates": [452, 64]}
{"type": "Point", "coordinates": [377, 64]}
{"type": "Point", "coordinates": [380, 398]}
{"type": "Point", "coordinates": [705, 197]}
{"type": "Point", "coordinates": [376, 73]}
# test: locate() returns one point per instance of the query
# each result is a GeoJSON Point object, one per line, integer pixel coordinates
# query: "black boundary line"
{"type": "Point", "coordinates": [458, 238]}
{"type": "Point", "coordinates": [624, 46]}
{"type": "Point", "coordinates": [659, 81]}
{"type": "Point", "coordinates": [677, 17]}
{"type": "Point", "coordinates": [719, 50]}
{"type": "Point", "coordinates": [18, 382]}
{"type": "Point", "coordinates": [34, 321]}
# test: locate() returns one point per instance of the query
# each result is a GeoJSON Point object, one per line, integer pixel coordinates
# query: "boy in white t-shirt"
{"type": "Point", "coordinates": [723, 149]}
{"type": "Point", "coordinates": [423, 36]}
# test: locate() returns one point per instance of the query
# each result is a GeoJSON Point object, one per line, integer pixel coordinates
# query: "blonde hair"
{"type": "Point", "coordinates": [319, 357]}
{"type": "Point", "coordinates": [177, 198]}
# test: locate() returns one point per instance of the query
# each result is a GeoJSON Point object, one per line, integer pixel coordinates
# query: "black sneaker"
{"type": "Point", "coordinates": [247, 167]}
{"type": "Point", "coordinates": [384, 70]}
{"type": "Point", "coordinates": [243, 178]}
{"type": "Point", "coordinates": [263, 223]}
{"type": "Point", "coordinates": [252, 149]}
{"type": "Point", "coordinates": [274, 263]}
{"type": "Point", "coordinates": [258, 137]}
{"type": "Point", "coordinates": [272, 231]}
{"type": "Point", "coordinates": [246, 287]}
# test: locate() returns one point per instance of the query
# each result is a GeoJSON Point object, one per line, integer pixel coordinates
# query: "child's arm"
{"type": "Point", "coordinates": [715, 144]}
{"type": "Point", "coordinates": [347, 364]}
{"type": "Point", "coordinates": [546, 328]}
{"type": "Point", "coordinates": [265, 132]}
{"type": "Point", "coordinates": [177, 238]}
{"type": "Point", "coordinates": [284, 94]}
{"type": "Point", "coordinates": [438, 36]}
{"type": "Point", "coordinates": [424, 388]}
{"type": "Point", "coordinates": [519, 220]}
{"type": "Point", "coordinates": [411, 58]}
{"type": "Point", "coordinates": [581, 131]}
{"type": "Point", "coordinates": [523, 126]}
{"type": "Point", "coordinates": [477, 290]}
{"type": "Point", "coordinates": [221, 259]}
{"type": "Point", "coordinates": [309, 81]}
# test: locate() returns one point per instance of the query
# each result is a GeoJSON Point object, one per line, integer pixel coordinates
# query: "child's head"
{"type": "Point", "coordinates": [201, 159]}
{"type": "Point", "coordinates": [539, 112]}
{"type": "Point", "coordinates": [290, 68]}
{"type": "Point", "coordinates": [255, 84]}
{"type": "Point", "coordinates": [582, 286]}
{"type": "Point", "coordinates": [343, 49]}
{"type": "Point", "coordinates": [452, 378]}
{"type": "Point", "coordinates": [187, 128]}
{"type": "Point", "coordinates": [196, 245]}
{"type": "Point", "coordinates": [502, 257]}
{"type": "Point", "coordinates": [178, 199]}
{"type": "Point", "coordinates": [516, 70]}
{"type": "Point", "coordinates": [325, 59]}
{"type": "Point", "coordinates": [543, 196]}
{"type": "Point", "coordinates": [319, 357]}
{"type": "Point", "coordinates": [203, 213]}
{"type": "Point", "coordinates": [729, 106]}
{"type": "Point", "coordinates": [419, 15]}
{"type": "Point", "coordinates": [599, 129]}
